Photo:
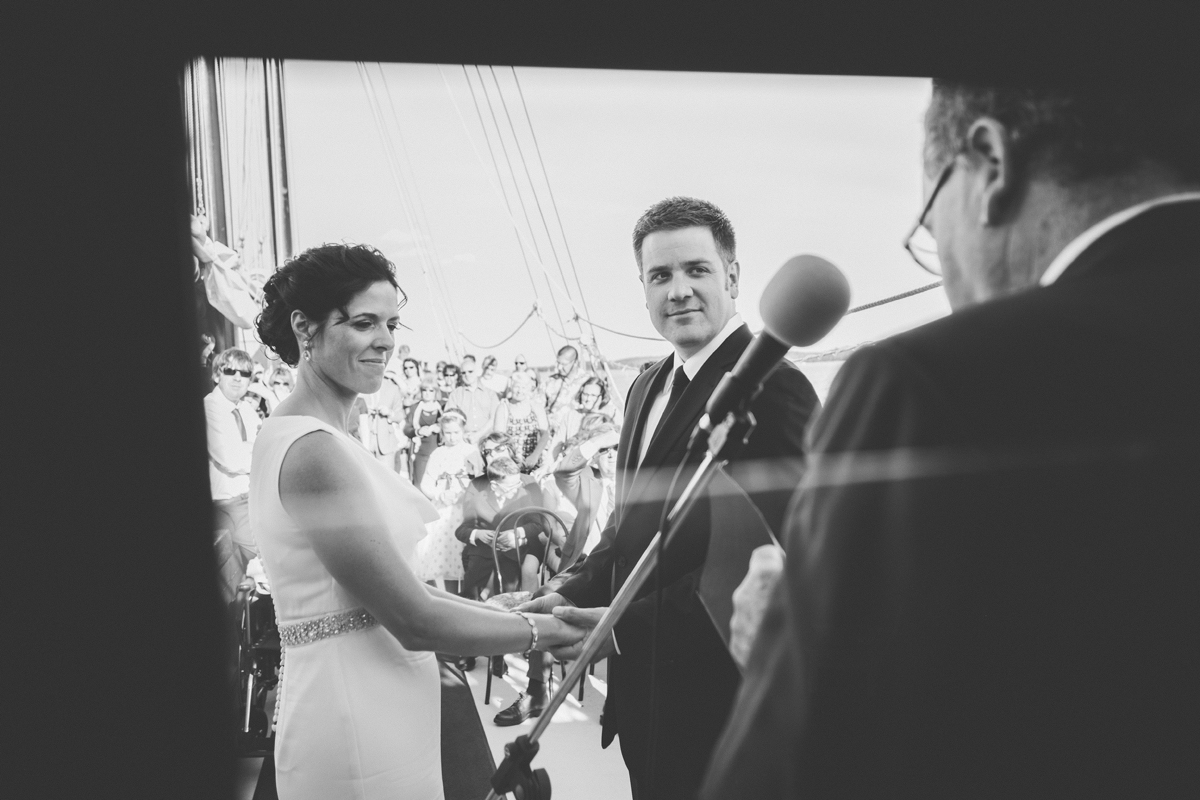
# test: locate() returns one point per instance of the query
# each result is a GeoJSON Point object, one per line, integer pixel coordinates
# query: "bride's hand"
{"type": "Point", "coordinates": [554, 633]}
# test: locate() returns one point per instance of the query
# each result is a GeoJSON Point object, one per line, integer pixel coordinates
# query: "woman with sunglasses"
{"type": "Point", "coordinates": [359, 712]}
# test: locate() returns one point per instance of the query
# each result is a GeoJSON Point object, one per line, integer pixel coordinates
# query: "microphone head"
{"type": "Point", "coordinates": [804, 300]}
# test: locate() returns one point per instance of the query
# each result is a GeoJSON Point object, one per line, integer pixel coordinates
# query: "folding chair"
{"type": "Point", "coordinates": [513, 520]}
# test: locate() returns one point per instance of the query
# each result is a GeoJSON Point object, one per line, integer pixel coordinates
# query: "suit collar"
{"type": "Point", "coordinates": [686, 414]}
{"type": "Point", "coordinates": [1096, 239]}
{"type": "Point", "coordinates": [641, 395]}
{"type": "Point", "coordinates": [693, 364]}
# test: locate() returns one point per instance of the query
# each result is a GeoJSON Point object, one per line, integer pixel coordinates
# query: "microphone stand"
{"type": "Point", "coordinates": [724, 442]}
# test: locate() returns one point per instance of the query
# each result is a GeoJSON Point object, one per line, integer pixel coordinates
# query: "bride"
{"type": "Point", "coordinates": [360, 699]}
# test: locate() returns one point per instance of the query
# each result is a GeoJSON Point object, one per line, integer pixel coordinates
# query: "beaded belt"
{"type": "Point", "coordinates": [294, 634]}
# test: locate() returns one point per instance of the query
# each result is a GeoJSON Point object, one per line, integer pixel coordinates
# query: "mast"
{"type": "Point", "coordinates": [204, 118]}
{"type": "Point", "coordinates": [281, 213]}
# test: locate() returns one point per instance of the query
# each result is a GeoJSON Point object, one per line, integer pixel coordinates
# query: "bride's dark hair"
{"type": "Point", "coordinates": [316, 282]}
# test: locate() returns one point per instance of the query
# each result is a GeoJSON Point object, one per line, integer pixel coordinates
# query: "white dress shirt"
{"type": "Point", "coordinates": [691, 367]}
{"type": "Point", "coordinates": [228, 453]}
{"type": "Point", "coordinates": [1084, 240]}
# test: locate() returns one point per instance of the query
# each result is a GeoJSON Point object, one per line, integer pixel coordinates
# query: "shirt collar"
{"type": "Point", "coordinates": [220, 398]}
{"type": "Point", "coordinates": [692, 365]}
{"type": "Point", "coordinates": [1084, 240]}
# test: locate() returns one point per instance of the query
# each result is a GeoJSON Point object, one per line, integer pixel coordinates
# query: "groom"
{"type": "Point", "coordinates": [685, 252]}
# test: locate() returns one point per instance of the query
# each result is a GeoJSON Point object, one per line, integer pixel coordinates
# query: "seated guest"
{"type": "Point", "coordinates": [232, 427]}
{"type": "Point", "coordinates": [421, 427]}
{"type": "Point", "coordinates": [500, 491]}
{"type": "Point", "coordinates": [524, 421]}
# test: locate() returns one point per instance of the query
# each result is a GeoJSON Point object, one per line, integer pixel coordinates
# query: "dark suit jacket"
{"type": "Point", "coordinates": [480, 510]}
{"type": "Point", "coordinates": [697, 677]}
{"type": "Point", "coordinates": [991, 585]}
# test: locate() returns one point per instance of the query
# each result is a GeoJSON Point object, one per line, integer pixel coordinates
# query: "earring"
{"type": "Point", "coordinates": [308, 349]}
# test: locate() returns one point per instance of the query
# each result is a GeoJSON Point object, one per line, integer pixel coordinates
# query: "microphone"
{"type": "Point", "coordinates": [803, 301]}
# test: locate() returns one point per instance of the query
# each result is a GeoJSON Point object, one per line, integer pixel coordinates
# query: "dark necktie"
{"type": "Point", "coordinates": [679, 382]}
{"type": "Point", "coordinates": [241, 425]}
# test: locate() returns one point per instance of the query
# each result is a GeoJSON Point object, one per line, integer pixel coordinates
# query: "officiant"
{"type": "Point", "coordinates": [672, 683]}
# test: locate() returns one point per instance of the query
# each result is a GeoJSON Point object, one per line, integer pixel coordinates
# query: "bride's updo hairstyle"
{"type": "Point", "coordinates": [316, 282]}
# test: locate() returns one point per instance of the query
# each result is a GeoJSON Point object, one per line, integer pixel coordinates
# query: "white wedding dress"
{"type": "Point", "coordinates": [358, 716]}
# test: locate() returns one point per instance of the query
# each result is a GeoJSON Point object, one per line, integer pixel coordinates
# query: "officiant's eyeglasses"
{"type": "Point", "coordinates": [245, 373]}
{"type": "Point", "coordinates": [920, 243]}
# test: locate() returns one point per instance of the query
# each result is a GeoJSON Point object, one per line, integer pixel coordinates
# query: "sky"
{"type": "Point", "coordinates": [800, 164]}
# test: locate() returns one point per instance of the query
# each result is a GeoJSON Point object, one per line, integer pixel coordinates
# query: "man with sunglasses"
{"type": "Point", "coordinates": [232, 427]}
{"type": "Point", "coordinates": [990, 575]}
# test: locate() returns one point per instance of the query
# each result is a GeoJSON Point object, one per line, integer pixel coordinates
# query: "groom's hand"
{"type": "Point", "coordinates": [545, 604]}
{"type": "Point", "coordinates": [582, 618]}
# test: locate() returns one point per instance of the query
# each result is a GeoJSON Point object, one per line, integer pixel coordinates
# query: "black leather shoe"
{"type": "Point", "coordinates": [466, 664]}
{"type": "Point", "coordinates": [525, 707]}
{"type": "Point", "coordinates": [499, 666]}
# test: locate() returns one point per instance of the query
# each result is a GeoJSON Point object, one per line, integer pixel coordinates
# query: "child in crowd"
{"type": "Point", "coordinates": [447, 475]}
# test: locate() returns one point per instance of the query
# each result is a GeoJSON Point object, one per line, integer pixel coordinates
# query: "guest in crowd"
{"type": "Point", "coordinates": [586, 475]}
{"type": "Point", "coordinates": [491, 378]}
{"type": "Point", "coordinates": [523, 420]}
{"type": "Point", "coordinates": [564, 383]}
{"type": "Point", "coordinates": [448, 472]}
{"type": "Point", "coordinates": [501, 490]}
{"type": "Point", "coordinates": [447, 383]}
{"type": "Point", "coordinates": [386, 420]}
{"type": "Point", "coordinates": [232, 427]}
{"type": "Point", "coordinates": [281, 382]}
{"type": "Point", "coordinates": [359, 423]}
{"type": "Point", "coordinates": [410, 383]}
{"type": "Point", "coordinates": [520, 364]}
{"type": "Point", "coordinates": [591, 398]}
{"type": "Point", "coordinates": [477, 402]}
{"type": "Point", "coordinates": [421, 427]}
{"type": "Point", "coordinates": [258, 397]}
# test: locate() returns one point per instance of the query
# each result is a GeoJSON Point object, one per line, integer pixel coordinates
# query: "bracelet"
{"type": "Point", "coordinates": [532, 626]}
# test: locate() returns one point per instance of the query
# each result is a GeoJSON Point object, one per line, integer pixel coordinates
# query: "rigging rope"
{"type": "Point", "coordinates": [528, 316]}
{"type": "Point", "coordinates": [499, 189]}
{"type": "Point", "coordinates": [553, 203]}
{"type": "Point", "coordinates": [376, 114]}
{"type": "Point", "coordinates": [900, 296]}
{"type": "Point", "coordinates": [512, 173]}
{"type": "Point", "coordinates": [439, 264]}
{"type": "Point", "coordinates": [619, 333]}
{"type": "Point", "coordinates": [537, 201]}
{"type": "Point", "coordinates": [500, 182]}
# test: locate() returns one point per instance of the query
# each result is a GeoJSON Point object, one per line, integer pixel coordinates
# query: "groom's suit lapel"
{"type": "Point", "coordinates": [682, 419]}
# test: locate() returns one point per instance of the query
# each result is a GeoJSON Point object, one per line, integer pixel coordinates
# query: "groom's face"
{"type": "Point", "coordinates": [690, 290]}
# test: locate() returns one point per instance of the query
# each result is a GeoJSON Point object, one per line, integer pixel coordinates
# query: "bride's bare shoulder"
{"type": "Point", "coordinates": [317, 464]}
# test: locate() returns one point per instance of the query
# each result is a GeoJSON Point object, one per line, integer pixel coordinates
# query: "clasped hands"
{"type": "Point", "coordinates": [583, 618]}
{"type": "Point", "coordinates": [508, 539]}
